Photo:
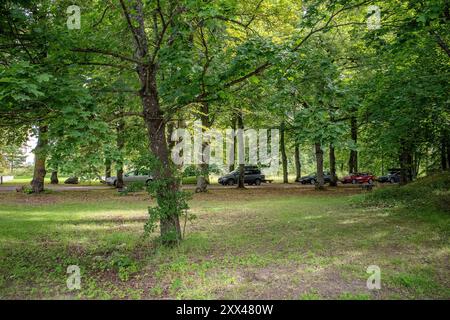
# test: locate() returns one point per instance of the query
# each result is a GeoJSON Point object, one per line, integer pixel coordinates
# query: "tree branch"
{"type": "Point", "coordinates": [267, 64]}
{"type": "Point", "coordinates": [130, 25]}
{"type": "Point", "coordinates": [123, 67]}
{"type": "Point", "coordinates": [123, 114]}
{"type": "Point", "coordinates": [107, 53]}
{"type": "Point", "coordinates": [101, 18]}
{"type": "Point", "coordinates": [441, 43]}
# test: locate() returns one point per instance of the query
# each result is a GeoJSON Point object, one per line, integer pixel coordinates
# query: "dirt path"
{"type": "Point", "coordinates": [268, 186]}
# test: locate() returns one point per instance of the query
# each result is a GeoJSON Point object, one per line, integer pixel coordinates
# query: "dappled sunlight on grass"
{"type": "Point", "coordinates": [277, 247]}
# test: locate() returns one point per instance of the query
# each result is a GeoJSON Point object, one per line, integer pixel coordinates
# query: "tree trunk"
{"type": "Point", "coordinates": [406, 164]}
{"type": "Point", "coordinates": [448, 153]}
{"type": "Point", "coordinates": [54, 178]}
{"type": "Point", "coordinates": [156, 126]}
{"type": "Point", "coordinates": [283, 153]}
{"type": "Point", "coordinates": [120, 144]}
{"type": "Point", "coordinates": [11, 167]}
{"type": "Point", "coordinates": [40, 154]}
{"type": "Point", "coordinates": [353, 161]}
{"type": "Point", "coordinates": [444, 152]}
{"type": "Point", "coordinates": [155, 122]}
{"type": "Point", "coordinates": [203, 177]}
{"type": "Point", "coordinates": [233, 126]}
{"type": "Point", "coordinates": [298, 164]}
{"type": "Point", "coordinates": [333, 182]}
{"type": "Point", "coordinates": [240, 123]}
{"type": "Point", "coordinates": [319, 167]}
{"type": "Point", "coordinates": [107, 168]}
{"type": "Point", "coordinates": [415, 165]}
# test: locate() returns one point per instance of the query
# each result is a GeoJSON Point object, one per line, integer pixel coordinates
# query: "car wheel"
{"type": "Point", "coordinates": [230, 182]}
{"type": "Point", "coordinates": [353, 181]}
{"type": "Point", "coordinates": [370, 181]}
{"type": "Point", "coordinates": [313, 182]}
{"type": "Point", "coordinates": [258, 182]}
{"type": "Point", "coordinates": [148, 182]}
{"type": "Point", "coordinates": [392, 180]}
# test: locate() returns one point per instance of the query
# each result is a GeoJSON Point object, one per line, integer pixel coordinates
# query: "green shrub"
{"type": "Point", "coordinates": [133, 187]}
{"type": "Point", "coordinates": [189, 180]}
{"type": "Point", "coordinates": [431, 191]}
{"type": "Point", "coordinates": [124, 265]}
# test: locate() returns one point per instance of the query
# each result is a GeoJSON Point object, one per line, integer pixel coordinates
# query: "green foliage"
{"type": "Point", "coordinates": [169, 204]}
{"type": "Point", "coordinates": [193, 170]}
{"type": "Point", "coordinates": [351, 296]}
{"type": "Point", "coordinates": [133, 187]}
{"type": "Point", "coordinates": [124, 265]}
{"type": "Point", "coordinates": [27, 190]}
{"type": "Point", "coordinates": [171, 201]}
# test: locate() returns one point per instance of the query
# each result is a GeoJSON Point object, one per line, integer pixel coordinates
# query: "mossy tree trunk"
{"type": "Point", "coordinates": [40, 154]}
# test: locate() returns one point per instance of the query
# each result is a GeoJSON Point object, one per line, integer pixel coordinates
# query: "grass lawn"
{"type": "Point", "coordinates": [250, 244]}
{"type": "Point", "coordinates": [27, 180]}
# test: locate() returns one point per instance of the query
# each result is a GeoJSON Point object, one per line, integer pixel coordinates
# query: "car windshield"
{"type": "Point", "coordinates": [247, 171]}
{"type": "Point", "coordinates": [137, 173]}
{"type": "Point", "coordinates": [314, 174]}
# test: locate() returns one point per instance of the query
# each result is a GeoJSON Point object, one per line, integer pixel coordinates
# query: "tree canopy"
{"type": "Point", "coordinates": [110, 93]}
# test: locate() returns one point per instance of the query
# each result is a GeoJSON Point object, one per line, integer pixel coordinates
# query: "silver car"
{"type": "Point", "coordinates": [133, 176]}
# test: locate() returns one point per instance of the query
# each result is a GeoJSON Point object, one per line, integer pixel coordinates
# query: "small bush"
{"type": "Point", "coordinates": [25, 189]}
{"type": "Point", "coordinates": [124, 265]}
{"type": "Point", "coordinates": [133, 187]}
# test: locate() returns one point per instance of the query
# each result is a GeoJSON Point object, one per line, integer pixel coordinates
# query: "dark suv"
{"type": "Point", "coordinates": [393, 176]}
{"type": "Point", "coordinates": [252, 175]}
{"type": "Point", "coordinates": [312, 178]}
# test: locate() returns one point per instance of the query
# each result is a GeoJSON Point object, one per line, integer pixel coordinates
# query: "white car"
{"type": "Point", "coordinates": [133, 176]}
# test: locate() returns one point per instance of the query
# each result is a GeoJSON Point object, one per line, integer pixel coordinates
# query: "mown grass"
{"type": "Point", "coordinates": [247, 244]}
{"type": "Point", "coordinates": [26, 180]}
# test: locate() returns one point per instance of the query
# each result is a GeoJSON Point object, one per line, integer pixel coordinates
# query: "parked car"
{"type": "Point", "coordinates": [132, 176]}
{"type": "Point", "coordinates": [356, 178]}
{"type": "Point", "coordinates": [312, 178]}
{"type": "Point", "coordinates": [72, 180]}
{"type": "Point", "coordinates": [393, 176]}
{"type": "Point", "coordinates": [252, 175]}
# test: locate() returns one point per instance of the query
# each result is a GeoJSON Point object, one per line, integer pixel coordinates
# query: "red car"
{"type": "Point", "coordinates": [359, 178]}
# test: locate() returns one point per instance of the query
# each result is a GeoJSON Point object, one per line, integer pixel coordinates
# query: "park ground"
{"type": "Point", "coordinates": [258, 243]}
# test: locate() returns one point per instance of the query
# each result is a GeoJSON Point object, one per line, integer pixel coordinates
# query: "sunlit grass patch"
{"type": "Point", "coordinates": [276, 246]}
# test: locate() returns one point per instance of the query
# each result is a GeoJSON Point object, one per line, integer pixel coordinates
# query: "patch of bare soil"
{"type": "Point", "coordinates": [216, 193]}
{"type": "Point", "coordinates": [290, 282]}
{"type": "Point", "coordinates": [276, 190]}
